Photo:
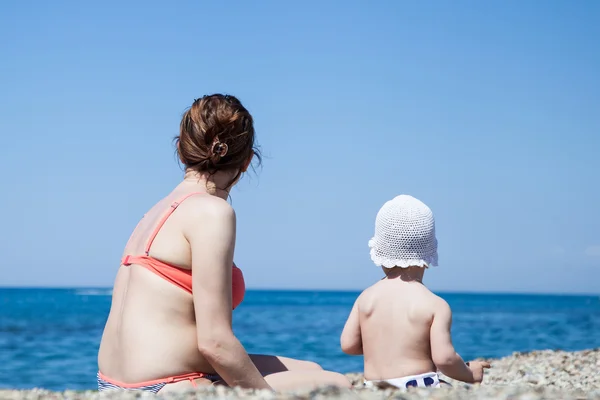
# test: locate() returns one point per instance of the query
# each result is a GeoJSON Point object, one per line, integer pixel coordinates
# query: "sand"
{"type": "Point", "coordinates": [521, 376]}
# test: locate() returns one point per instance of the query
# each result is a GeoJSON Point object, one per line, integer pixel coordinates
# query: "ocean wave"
{"type": "Point", "coordinates": [93, 292]}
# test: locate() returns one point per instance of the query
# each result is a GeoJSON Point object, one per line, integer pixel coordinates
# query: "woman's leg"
{"type": "Point", "coordinates": [273, 364]}
{"type": "Point", "coordinates": [293, 380]}
{"type": "Point", "coordinates": [283, 373]}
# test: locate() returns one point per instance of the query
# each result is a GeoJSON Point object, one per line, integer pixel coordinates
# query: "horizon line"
{"type": "Point", "coordinates": [473, 292]}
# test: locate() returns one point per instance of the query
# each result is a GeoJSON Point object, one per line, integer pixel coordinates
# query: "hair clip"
{"type": "Point", "coordinates": [219, 148]}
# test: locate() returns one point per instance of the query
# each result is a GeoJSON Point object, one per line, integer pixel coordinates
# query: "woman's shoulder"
{"type": "Point", "coordinates": [207, 207]}
{"type": "Point", "coordinates": [208, 220]}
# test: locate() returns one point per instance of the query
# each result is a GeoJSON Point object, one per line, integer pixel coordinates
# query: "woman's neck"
{"type": "Point", "coordinates": [211, 184]}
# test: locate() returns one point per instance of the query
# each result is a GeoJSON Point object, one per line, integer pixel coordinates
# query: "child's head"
{"type": "Point", "coordinates": [404, 235]}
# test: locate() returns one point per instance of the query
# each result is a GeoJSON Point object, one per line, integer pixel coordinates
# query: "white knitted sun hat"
{"type": "Point", "coordinates": [404, 234]}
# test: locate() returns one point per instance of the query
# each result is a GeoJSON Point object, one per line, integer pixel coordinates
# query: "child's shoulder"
{"type": "Point", "coordinates": [365, 293]}
{"type": "Point", "coordinates": [369, 293]}
{"type": "Point", "coordinates": [439, 305]}
{"type": "Point", "coordinates": [430, 302]}
{"type": "Point", "coordinates": [371, 290]}
{"type": "Point", "coordinates": [432, 297]}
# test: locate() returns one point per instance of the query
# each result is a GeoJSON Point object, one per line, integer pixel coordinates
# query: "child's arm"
{"type": "Point", "coordinates": [351, 339]}
{"type": "Point", "coordinates": [442, 351]}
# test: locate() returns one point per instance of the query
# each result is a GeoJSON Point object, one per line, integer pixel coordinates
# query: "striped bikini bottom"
{"type": "Point", "coordinates": [105, 383]}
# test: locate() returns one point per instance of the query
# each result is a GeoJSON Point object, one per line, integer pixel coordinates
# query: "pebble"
{"type": "Point", "coordinates": [537, 375]}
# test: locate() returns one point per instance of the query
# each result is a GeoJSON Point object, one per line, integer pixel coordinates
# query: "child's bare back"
{"type": "Point", "coordinates": [395, 320]}
{"type": "Point", "coordinates": [400, 326]}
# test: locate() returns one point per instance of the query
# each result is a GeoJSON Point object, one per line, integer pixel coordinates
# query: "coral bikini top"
{"type": "Point", "coordinates": [180, 276]}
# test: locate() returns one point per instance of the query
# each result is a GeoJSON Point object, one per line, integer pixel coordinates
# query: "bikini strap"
{"type": "Point", "coordinates": [165, 217]}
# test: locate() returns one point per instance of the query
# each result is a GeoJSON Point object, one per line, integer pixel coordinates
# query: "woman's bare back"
{"type": "Point", "coordinates": [150, 317]}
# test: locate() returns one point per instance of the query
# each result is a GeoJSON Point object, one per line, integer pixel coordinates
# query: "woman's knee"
{"type": "Point", "coordinates": [292, 364]}
{"type": "Point", "coordinates": [310, 365]}
{"type": "Point", "coordinates": [307, 379]}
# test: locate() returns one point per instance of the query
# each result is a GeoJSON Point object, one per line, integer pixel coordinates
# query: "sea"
{"type": "Point", "coordinates": [49, 337]}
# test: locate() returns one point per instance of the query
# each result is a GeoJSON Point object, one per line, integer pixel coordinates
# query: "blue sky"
{"type": "Point", "coordinates": [489, 112]}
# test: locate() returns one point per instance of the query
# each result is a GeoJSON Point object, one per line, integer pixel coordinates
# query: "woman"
{"type": "Point", "coordinates": [169, 326]}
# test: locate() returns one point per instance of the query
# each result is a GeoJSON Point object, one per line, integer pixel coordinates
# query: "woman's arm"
{"type": "Point", "coordinates": [211, 233]}
{"type": "Point", "coordinates": [351, 339]}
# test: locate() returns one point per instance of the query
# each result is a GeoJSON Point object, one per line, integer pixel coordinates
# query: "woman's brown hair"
{"type": "Point", "coordinates": [217, 134]}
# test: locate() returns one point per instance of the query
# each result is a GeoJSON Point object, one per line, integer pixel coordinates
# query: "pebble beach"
{"type": "Point", "coordinates": [521, 376]}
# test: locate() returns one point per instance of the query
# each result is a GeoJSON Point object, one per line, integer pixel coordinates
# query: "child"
{"type": "Point", "coordinates": [401, 327]}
